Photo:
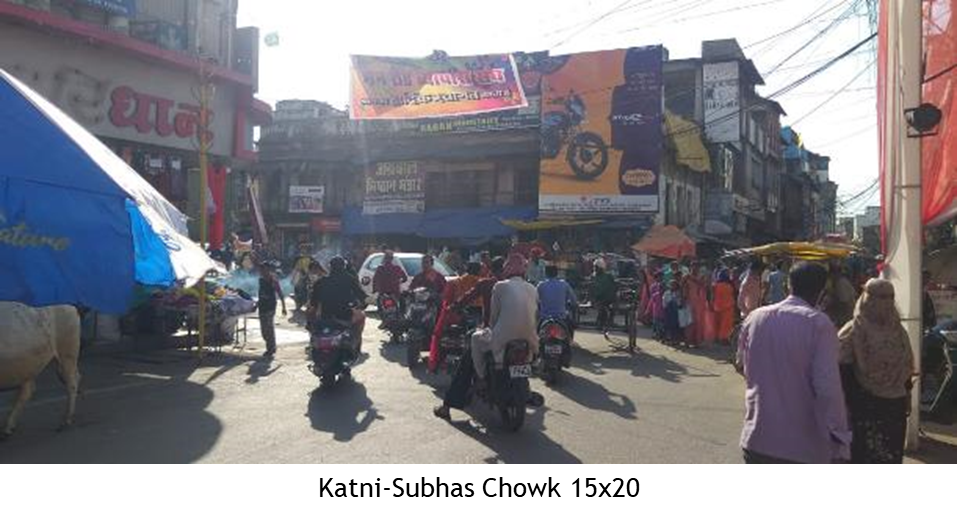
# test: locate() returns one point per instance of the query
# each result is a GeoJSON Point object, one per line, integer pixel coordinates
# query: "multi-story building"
{"type": "Point", "coordinates": [738, 196]}
{"type": "Point", "coordinates": [454, 186]}
{"type": "Point", "coordinates": [131, 71]}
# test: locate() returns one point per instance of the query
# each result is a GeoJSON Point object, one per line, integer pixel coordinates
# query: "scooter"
{"type": "Point", "coordinates": [334, 349]}
{"type": "Point", "coordinates": [938, 364]}
{"type": "Point", "coordinates": [556, 349]}
{"type": "Point", "coordinates": [507, 385]}
{"type": "Point", "coordinates": [420, 319]}
{"type": "Point", "coordinates": [390, 312]}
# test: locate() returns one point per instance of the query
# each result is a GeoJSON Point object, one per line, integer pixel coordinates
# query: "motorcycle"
{"type": "Point", "coordinates": [586, 152]}
{"type": "Point", "coordinates": [455, 340]}
{"type": "Point", "coordinates": [334, 349]}
{"type": "Point", "coordinates": [556, 350]}
{"type": "Point", "coordinates": [420, 319]}
{"type": "Point", "coordinates": [507, 385]}
{"type": "Point", "coordinates": [938, 358]}
{"type": "Point", "coordinates": [390, 312]}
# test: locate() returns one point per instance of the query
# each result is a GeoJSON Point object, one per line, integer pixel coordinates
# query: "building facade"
{"type": "Point", "coordinates": [131, 72]}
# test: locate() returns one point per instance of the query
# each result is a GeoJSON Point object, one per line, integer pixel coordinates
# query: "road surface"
{"type": "Point", "coordinates": [660, 405]}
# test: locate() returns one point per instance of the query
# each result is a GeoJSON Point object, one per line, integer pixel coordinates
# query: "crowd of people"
{"type": "Point", "coordinates": [828, 373]}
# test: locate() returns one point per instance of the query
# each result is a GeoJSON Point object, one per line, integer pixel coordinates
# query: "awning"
{"type": "Point", "coordinates": [666, 242]}
{"type": "Point", "coordinates": [461, 223]}
{"type": "Point", "coordinates": [799, 250]}
{"type": "Point", "coordinates": [542, 225]}
{"type": "Point", "coordinates": [690, 149]}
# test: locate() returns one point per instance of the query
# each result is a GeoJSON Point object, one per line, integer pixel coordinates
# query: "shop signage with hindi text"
{"type": "Point", "coordinates": [394, 187]}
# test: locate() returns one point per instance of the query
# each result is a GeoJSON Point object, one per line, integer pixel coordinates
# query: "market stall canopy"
{"type": "Point", "coordinates": [666, 242]}
{"type": "Point", "coordinates": [799, 250]}
{"type": "Point", "coordinates": [542, 225]}
{"type": "Point", "coordinates": [942, 265]}
{"type": "Point", "coordinates": [77, 224]}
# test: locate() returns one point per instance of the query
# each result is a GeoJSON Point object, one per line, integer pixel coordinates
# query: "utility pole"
{"type": "Point", "coordinates": [204, 145]}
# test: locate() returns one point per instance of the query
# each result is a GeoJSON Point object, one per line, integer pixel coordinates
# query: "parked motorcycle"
{"type": "Point", "coordinates": [507, 385]}
{"type": "Point", "coordinates": [938, 358]}
{"type": "Point", "coordinates": [334, 349]}
{"type": "Point", "coordinates": [556, 349]}
{"type": "Point", "coordinates": [420, 323]}
{"type": "Point", "coordinates": [390, 312]}
{"type": "Point", "coordinates": [586, 152]}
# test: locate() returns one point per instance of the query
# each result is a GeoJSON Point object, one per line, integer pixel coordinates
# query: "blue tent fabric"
{"type": "Point", "coordinates": [57, 247]}
{"type": "Point", "coordinates": [77, 224]}
{"type": "Point", "coordinates": [461, 223]}
{"type": "Point", "coordinates": [152, 261]}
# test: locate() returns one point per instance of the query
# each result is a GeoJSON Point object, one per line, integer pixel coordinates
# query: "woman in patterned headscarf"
{"type": "Point", "coordinates": [878, 366]}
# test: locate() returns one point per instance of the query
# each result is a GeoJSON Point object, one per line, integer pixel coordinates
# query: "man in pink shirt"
{"type": "Point", "coordinates": [788, 354]}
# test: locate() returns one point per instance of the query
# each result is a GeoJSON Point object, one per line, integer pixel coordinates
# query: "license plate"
{"type": "Point", "coordinates": [519, 371]}
{"type": "Point", "coordinates": [553, 349]}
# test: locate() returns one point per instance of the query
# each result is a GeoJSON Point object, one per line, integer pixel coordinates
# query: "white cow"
{"type": "Point", "coordinates": [29, 339]}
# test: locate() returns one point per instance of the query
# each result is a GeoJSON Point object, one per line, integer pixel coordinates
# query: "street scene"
{"type": "Point", "coordinates": [692, 231]}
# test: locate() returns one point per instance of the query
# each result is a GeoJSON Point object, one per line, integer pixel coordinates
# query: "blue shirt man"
{"type": "Point", "coordinates": [554, 295]}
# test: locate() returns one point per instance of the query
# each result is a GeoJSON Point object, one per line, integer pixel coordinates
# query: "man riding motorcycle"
{"type": "Point", "coordinates": [555, 298]}
{"type": "Point", "coordinates": [513, 309]}
{"type": "Point", "coordinates": [339, 297]}
{"type": "Point", "coordinates": [428, 278]}
{"type": "Point", "coordinates": [388, 280]}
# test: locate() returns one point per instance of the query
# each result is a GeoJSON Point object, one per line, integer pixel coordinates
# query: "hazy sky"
{"type": "Point", "coordinates": [317, 37]}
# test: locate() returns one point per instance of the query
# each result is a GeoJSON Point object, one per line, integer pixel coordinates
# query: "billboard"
{"type": "Point", "coordinates": [601, 133]}
{"type": "Point", "coordinates": [394, 187]}
{"type": "Point", "coordinates": [722, 105]}
{"type": "Point", "coordinates": [436, 86]}
{"type": "Point", "coordinates": [306, 199]}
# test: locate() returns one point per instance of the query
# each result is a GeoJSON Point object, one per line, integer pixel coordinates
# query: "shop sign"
{"type": "Point", "coordinates": [722, 106]}
{"type": "Point", "coordinates": [125, 8]}
{"type": "Point", "coordinates": [327, 225]}
{"type": "Point", "coordinates": [306, 199]}
{"type": "Point", "coordinates": [746, 206]}
{"type": "Point", "coordinates": [154, 114]}
{"type": "Point", "coordinates": [394, 187]}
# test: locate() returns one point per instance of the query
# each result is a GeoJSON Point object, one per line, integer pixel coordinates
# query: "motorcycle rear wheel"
{"type": "Point", "coordinates": [513, 416]}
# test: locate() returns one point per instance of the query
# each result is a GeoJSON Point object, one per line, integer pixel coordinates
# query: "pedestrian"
{"type": "Point", "coordinates": [776, 285]}
{"type": "Point", "coordinates": [671, 299]}
{"type": "Point", "coordinates": [878, 367]}
{"type": "Point", "coordinates": [723, 307]}
{"type": "Point", "coordinates": [604, 292]}
{"type": "Point", "coordinates": [794, 403]}
{"type": "Point", "coordinates": [752, 290]}
{"type": "Point", "coordinates": [658, 306]}
{"type": "Point", "coordinates": [269, 292]}
{"type": "Point", "coordinates": [840, 297]}
{"type": "Point", "coordinates": [535, 273]}
{"type": "Point", "coordinates": [929, 310]}
{"type": "Point", "coordinates": [701, 330]}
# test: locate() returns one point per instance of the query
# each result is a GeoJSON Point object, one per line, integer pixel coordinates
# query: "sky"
{"type": "Point", "coordinates": [835, 112]}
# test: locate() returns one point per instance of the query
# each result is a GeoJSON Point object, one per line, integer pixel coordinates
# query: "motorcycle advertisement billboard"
{"type": "Point", "coordinates": [601, 133]}
{"type": "Point", "coordinates": [435, 86]}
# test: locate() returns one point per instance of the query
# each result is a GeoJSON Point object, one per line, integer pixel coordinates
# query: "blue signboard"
{"type": "Point", "coordinates": [125, 8]}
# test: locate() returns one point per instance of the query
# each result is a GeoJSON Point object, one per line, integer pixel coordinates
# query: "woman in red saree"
{"type": "Point", "coordinates": [724, 307]}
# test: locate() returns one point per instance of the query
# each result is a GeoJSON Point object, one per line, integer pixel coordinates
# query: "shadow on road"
{"type": "Point", "coordinates": [641, 364]}
{"type": "Point", "coordinates": [260, 368]}
{"type": "Point", "coordinates": [144, 421]}
{"type": "Point", "coordinates": [344, 410]}
{"type": "Point", "coordinates": [530, 445]}
{"type": "Point", "coordinates": [594, 396]}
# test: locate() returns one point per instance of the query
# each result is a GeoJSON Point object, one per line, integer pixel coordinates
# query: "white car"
{"type": "Point", "coordinates": [411, 263]}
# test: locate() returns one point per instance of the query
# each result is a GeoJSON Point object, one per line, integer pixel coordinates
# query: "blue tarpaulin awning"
{"type": "Point", "coordinates": [461, 223]}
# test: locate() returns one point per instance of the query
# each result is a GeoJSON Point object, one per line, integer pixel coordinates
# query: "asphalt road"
{"type": "Point", "coordinates": [660, 405]}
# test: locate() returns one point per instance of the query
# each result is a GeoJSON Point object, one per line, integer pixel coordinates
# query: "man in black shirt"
{"type": "Point", "coordinates": [336, 296]}
{"type": "Point", "coordinates": [269, 293]}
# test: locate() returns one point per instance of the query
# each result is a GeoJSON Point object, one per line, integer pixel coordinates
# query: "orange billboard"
{"type": "Point", "coordinates": [601, 133]}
